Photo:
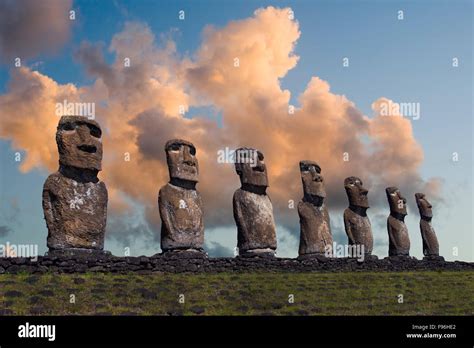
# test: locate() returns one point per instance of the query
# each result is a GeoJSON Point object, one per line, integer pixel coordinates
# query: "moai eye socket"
{"type": "Point", "coordinates": [175, 147]}
{"type": "Point", "coordinates": [95, 131]}
{"type": "Point", "coordinates": [192, 150]}
{"type": "Point", "coordinates": [69, 126]}
{"type": "Point", "coordinates": [260, 156]}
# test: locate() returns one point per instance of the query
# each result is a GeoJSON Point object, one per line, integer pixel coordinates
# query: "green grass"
{"type": "Point", "coordinates": [357, 293]}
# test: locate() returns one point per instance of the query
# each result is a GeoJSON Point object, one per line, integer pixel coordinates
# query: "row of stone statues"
{"type": "Point", "coordinates": [75, 202]}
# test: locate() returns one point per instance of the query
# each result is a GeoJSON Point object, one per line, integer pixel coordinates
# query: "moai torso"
{"type": "Point", "coordinates": [179, 202]}
{"type": "Point", "coordinates": [315, 230]}
{"type": "Point", "coordinates": [430, 241]}
{"type": "Point", "coordinates": [75, 212]}
{"type": "Point", "coordinates": [253, 210]}
{"type": "Point", "coordinates": [358, 230]}
{"type": "Point", "coordinates": [399, 241]}
{"type": "Point", "coordinates": [253, 214]}
{"type": "Point", "coordinates": [74, 199]}
{"type": "Point", "coordinates": [182, 223]}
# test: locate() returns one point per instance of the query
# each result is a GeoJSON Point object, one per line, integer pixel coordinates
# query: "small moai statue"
{"type": "Point", "coordinates": [253, 210]}
{"type": "Point", "coordinates": [74, 199]}
{"type": "Point", "coordinates": [428, 235]}
{"type": "Point", "coordinates": [179, 203]}
{"type": "Point", "coordinates": [356, 221]}
{"type": "Point", "coordinates": [399, 241]}
{"type": "Point", "coordinates": [315, 230]}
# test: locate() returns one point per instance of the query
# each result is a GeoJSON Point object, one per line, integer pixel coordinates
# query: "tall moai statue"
{"type": "Point", "coordinates": [428, 235]}
{"type": "Point", "coordinates": [180, 204]}
{"type": "Point", "coordinates": [399, 241]}
{"type": "Point", "coordinates": [74, 199]}
{"type": "Point", "coordinates": [356, 221]}
{"type": "Point", "coordinates": [253, 210]}
{"type": "Point", "coordinates": [315, 229]}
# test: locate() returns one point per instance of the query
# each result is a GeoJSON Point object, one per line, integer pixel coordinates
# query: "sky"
{"type": "Point", "coordinates": [336, 62]}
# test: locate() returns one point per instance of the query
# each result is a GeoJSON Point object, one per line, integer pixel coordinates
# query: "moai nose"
{"type": "Point", "coordinates": [187, 157]}
{"type": "Point", "coordinates": [83, 132]}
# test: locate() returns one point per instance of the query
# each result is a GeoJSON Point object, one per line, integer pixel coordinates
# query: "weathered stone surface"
{"type": "Point", "coordinates": [356, 221]}
{"type": "Point", "coordinates": [179, 202]}
{"type": "Point", "coordinates": [399, 241]}
{"type": "Point", "coordinates": [164, 264]}
{"type": "Point", "coordinates": [315, 229]}
{"type": "Point", "coordinates": [253, 210]}
{"type": "Point", "coordinates": [74, 199]}
{"type": "Point", "coordinates": [428, 235]}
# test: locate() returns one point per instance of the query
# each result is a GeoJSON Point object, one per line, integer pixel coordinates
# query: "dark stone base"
{"type": "Point", "coordinates": [314, 256]}
{"type": "Point", "coordinates": [195, 262]}
{"type": "Point", "coordinates": [433, 258]}
{"type": "Point", "coordinates": [78, 252]}
{"type": "Point", "coordinates": [262, 254]}
{"type": "Point", "coordinates": [183, 254]}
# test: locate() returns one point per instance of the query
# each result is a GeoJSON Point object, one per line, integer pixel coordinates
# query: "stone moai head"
{"type": "Point", "coordinates": [356, 192]}
{"type": "Point", "coordinates": [398, 203]}
{"type": "Point", "coordinates": [79, 143]}
{"type": "Point", "coordinates": [313, 182]}
{"type": "Point", "coordinates": [182, 161]}
{"type": "Point", "coordinates": [424, 206]}
{"type": "Point", "coordinates": [250, 166]}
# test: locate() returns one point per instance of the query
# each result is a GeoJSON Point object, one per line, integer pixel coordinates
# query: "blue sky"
{"type": "Point", "coordinates": [406, 60]}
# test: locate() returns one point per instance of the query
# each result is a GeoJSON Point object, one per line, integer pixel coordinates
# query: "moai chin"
{"type": "Point", "coordinates": [253, 210]}
{"type": "Point", "coordinates": [179, 203]}
{"type": "Point", "coordinates": [315, 229]}
{"type": "Point", "coordinates": [399, 241]}
{"type": "Point", "coordinates": [356, 221]}
{"type": "Point", "coordinates": [428, 235]}
{"type": "Point", "coordinates": [74, 199]}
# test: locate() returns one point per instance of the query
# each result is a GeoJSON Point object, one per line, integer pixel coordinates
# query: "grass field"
{"type": "Point", "coordinates": [358, 293]}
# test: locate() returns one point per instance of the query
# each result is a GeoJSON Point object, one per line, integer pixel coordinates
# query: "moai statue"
{"type": "Point", "coordinates": [74, 199]}
{"type": "Point", "coordinates": [399, 241]}
{"type": "Point", "coordinates": [253, 210]}
{"type": "Point", "coordinates": [315, 235]}
{"type": "Point", "coordinates": [430, 241]}
{"type": "Point", "coordinates": [180, 204]}
{"type": "Point", "coordinates": [356, 221]}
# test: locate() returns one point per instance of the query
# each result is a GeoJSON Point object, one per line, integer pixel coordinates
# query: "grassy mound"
{"type": "Point", "coordinates": [258, 293]}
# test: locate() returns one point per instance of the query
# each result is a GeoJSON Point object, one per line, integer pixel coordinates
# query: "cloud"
{"type": "Point", "coordinates": [30, 27]}
{"type": "Point", "coordinates": [143, 104]}
{"type": "Point", "coordinates": [4, 231]}
{"type": "Point", "coordinates": [215, 249]}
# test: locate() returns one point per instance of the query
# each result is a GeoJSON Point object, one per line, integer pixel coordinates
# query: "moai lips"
{"type": "Point", "coordinates": [399, 241]}
{"type": "Point", "coordinates": [428, 235]}
{"type": "Point", "coordinates": [356, 221]}
{"type": "Point", "coordinates": [179, 202]}
{"type": "Point", "coordinates": [74, 199]}
{"type": "Point", "coordinates": [315, 229]}
{"type": "Point", "coordinates": [253, 210]}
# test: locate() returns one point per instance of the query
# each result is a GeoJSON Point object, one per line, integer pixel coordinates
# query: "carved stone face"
{"type": "Point", "coordinates": [424, 206]}
{"type": "Point", "coordinates": [313, 182]}
{"type": "Point", "coordinates": [182, 161]}
{"type": "Point", "coordinates": [397, 202]}
{"type": "Point", "coordinates": [250, 166]}
{"type": "Point", "coordinates": [356, 192]}
{"type": "Point", "coordinates": [79, 143]}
